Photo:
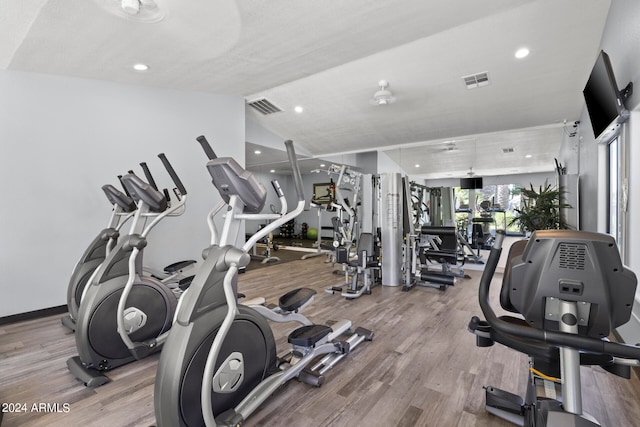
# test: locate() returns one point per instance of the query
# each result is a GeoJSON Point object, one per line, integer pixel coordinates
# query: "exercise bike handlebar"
{"type": "Point", "coordinates": [206, 147]}
{"type": "Point", "coordinates": [147, 174]}
{"type": "Point", "coordinates": [172, 173]}
{"type": "Point", "coordinates": [554, 338]}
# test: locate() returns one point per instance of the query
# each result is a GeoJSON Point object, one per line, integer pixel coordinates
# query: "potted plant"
{"type": "Point", "coordinates": [540, 209]}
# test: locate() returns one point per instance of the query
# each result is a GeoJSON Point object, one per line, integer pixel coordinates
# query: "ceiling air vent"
{"type": "Point", "coordinates": [508, 150]}
{"type": "Point", "coordinates": [476, 80]}
{"type": "Point", "coordinates": [264, 106]}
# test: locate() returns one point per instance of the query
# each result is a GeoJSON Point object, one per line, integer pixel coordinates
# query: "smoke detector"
{"type": "Point", "coordinates": [145, 11]}
{"type": "Point", "coordinates": [384, 96]}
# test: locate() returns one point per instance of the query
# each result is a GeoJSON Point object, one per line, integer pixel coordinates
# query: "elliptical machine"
{"type": "Point", "coordinates": [219, 363]}
{"type": "Point", "coordinates": [150, 303]}
{"type": "Point", "coordinates": [571, 289]}
{"type": "Point", "coordinates": [123, 209]}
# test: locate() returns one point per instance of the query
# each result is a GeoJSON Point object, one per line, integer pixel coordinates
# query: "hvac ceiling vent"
{"type": "Point", "coordinates": [476, 80]}
{"type": "Point", "coordinates": [508, 150]}
{"type": "Point", "coordinates": [264, 106]}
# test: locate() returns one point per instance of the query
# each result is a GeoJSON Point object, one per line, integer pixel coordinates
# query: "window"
{"type": "Point", "coordinates": [496, 202]}
{"type": "Point", "coordinates": [614, 214]}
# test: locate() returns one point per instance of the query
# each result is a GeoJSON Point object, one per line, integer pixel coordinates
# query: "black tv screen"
{"type": "Point", "coordinates": [470, 183]}
{"type": "Point", "coordinates": [604, 102]}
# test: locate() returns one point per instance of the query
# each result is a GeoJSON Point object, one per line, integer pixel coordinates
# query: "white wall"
{"type": "Point", "coordinates": [63, 138]}
{"type": "Point", "coordinates": [388, 165]}
{"type": "Point", "coordinates": [621, 40]}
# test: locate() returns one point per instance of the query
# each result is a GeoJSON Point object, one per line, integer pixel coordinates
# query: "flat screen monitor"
{"type": "Point", "coordinates": [471, 183]}
{"type": "Point", "coordinates": [604, 101]}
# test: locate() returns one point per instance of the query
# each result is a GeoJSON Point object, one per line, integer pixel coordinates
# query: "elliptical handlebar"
{"type": "Point", "coordinates": [554, 338]}
{"type": "Point", "coordinates": [206, 147]}
{"type": "Point", "coordinates": [147, 174]}
{"type": "Point", "coordinates": [281, 219]}
{"type": "Point", "coordinates": [297, 177]}
{"type": "Point", "coordinates": [123, 186]}
{"type": "Point", "coordinates": [172, 173]}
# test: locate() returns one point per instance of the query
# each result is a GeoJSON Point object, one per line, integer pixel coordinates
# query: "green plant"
{"type": "Point", "coordinates": [540, 209]}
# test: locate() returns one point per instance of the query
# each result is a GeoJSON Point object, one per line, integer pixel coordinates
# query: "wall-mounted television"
{"type": "Point", "coordinates": [605, 102]}
{"type": "Point", "coordinates": [471, 183]}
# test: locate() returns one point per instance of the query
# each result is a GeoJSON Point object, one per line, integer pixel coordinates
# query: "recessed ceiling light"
{"type": "Point", "coordinates": [257, 152]}
{"type": "Point", "coordinates": [322, 165]}
{"type": "Point", "coordinates": [528, 156]}
{"type": "Point", "coordinates": [298, 109]}
{"type": "Point", "coordinates": [140, 67]}
{"type": "Point", "coordinates": [272, 171]}
{"type": "Point", "coordinates": [522, 53]}
{"type": "Point", "coordinates": [417, 165]}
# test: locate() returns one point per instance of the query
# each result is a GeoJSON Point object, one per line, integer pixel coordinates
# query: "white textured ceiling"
{"type": "Point", "coordinates": [328, 57]}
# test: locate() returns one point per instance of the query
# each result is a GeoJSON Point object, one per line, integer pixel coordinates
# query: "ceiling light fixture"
{"type": "Point", "coordinates": [522, 53]}
{"type": "Point", "coordinates": [383, 96]}
{"type": "Point", "coordinates": [272, 171]}
{"type": "Point", "coordinates": [298, 109]}
{"type": "Point", "coordinates": [140, 67]}
{"type": "Point", "coordinates": [417, 165]}
{"type": "Point", "coordinates": [257, 152]}
{"type": "Point", "coordinates": [143, 11]}
{"type": "Point", "coordinates": [528, 156]}
{"type": "Point", "coordinates": [322, 165]}
{"type": "Point", "coordinates": [132, 7]}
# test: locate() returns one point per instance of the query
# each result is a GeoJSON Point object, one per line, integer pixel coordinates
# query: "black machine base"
{"type": "Point", "coordinates": [89, 377]}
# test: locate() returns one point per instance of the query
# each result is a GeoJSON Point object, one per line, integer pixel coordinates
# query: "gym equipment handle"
{"type": "Point", "coordinates": [277, 188]}
{"type": "Point", "coordinates": [172, 173]}
{"type": "Point", "coordinates": [147, 173]}
{"type": "Point", "coordinates": [293, 160]}
{"type": "Point", "coordinates": [206, 147]}
{"type": "Point", "coordinates": [123, 186]}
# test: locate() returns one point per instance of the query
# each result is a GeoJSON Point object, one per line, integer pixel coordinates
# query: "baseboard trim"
{"type": "Point", "coordinates": [36, 314]}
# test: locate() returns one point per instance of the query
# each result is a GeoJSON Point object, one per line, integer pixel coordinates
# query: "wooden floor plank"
{"type": "Point", "coordinates": [421, 369]}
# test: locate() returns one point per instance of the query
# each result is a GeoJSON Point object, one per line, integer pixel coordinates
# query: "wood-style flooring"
{"type": "Point", "coordinates": [421, 369]}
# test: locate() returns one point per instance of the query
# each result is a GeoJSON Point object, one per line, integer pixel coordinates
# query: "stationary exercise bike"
{"type": "Point", "coordinates": [219, 363]}
{"type": "Point", "coordinates": [571, 289]}
{"type": "Point", "coordinates": [106, 339]}
{"type": "Point", "coordinates": [124, 208]}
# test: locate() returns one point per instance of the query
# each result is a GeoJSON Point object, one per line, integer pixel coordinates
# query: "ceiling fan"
{"type": "Point", "coordinates": [145, 11]}
{"type": "Point", "coordinates": [383, 96]}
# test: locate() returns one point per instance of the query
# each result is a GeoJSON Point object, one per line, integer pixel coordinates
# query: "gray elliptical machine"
{"type": "Point", "coordinates": [571, 289]}
{"type": "Point", "coordinates": [219, 363]}
{"type": "Point", "coordinates": [123, 209]}
{"type": "Point", "coordinates": [151, 304]}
